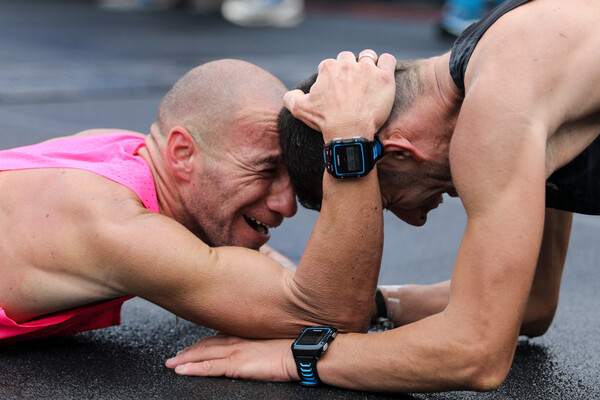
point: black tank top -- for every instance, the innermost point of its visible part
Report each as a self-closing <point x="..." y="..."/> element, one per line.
<point x="574" y="187"/>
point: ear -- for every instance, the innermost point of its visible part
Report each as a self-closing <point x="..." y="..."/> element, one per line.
<point x="181" y="152"/>
<point x="401" y="149"/>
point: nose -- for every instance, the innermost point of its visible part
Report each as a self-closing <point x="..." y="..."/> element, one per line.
<point x="282" y="198"/>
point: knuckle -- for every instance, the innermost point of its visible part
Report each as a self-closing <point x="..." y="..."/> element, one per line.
<point x="206" y="365"/>
<point x="327" y="64"/>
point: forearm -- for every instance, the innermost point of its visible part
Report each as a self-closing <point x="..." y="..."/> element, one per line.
<point x="429" y="355"/>
<point x="543" y="298"/>
<point x="336" y="278"/>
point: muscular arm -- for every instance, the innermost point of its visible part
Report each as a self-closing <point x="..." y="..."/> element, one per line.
<point x="244" y="292"/>
<point x="411" y="303"/>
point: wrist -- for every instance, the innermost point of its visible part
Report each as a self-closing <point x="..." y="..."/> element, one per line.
<point x="367" y="130"/>
<point x="290" y="364"/>
<point x="307" y="349"/>
<point x="352" y="157"/>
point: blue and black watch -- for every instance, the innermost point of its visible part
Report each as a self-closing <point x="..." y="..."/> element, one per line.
<point x="352" y="158"/>
<point x="308" y="348"/>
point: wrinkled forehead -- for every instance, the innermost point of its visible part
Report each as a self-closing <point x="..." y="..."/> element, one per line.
<point x="253" y="131"/>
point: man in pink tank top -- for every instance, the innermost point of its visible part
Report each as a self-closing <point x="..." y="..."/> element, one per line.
<point x="177" y="217"/>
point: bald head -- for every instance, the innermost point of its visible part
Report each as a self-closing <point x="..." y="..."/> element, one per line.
<point x="206" y="98"/>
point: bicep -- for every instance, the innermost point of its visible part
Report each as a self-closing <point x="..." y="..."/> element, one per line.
<point x="223" y="288"/>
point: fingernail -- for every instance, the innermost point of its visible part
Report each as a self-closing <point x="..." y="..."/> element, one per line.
<point x="180" y="369"/>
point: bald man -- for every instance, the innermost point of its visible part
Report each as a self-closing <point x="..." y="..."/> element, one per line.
<point x="176" y="217"/>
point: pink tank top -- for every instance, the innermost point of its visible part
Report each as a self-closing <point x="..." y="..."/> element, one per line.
<point x="113" y="156"/>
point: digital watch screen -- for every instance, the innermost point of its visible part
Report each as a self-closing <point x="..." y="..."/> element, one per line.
<point x="312" y="337"/>
<point x="351" y="158"/>
<point x="308" y="348"/>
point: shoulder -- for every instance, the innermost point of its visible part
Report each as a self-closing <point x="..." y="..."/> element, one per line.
<point x="90" y="132"/>
<point x="534" y="47"/>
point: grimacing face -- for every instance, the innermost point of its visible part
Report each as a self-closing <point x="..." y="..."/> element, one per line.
<point x="244" y="188"/>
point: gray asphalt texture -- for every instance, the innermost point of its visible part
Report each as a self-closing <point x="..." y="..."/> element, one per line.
<point x="66" y="66"/>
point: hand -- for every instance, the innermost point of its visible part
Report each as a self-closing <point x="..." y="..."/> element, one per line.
<point x="349" y="97"/>
<point x="265" y="360"/>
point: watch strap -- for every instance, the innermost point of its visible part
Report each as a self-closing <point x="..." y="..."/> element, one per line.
<point x="307" y="371"/>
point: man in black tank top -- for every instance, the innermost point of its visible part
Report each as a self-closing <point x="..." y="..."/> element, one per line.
<point x="509" y="122"/>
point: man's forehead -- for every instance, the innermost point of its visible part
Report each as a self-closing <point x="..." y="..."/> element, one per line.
<point x="259" y="148"/>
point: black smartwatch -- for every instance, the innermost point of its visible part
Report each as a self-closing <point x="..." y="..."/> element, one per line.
<point x="352" y="158"/>
<point x="308" y="348"/>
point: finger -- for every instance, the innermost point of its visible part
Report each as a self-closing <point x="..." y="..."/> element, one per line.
<point x="202" y="350"/>
<point x="203" y="368"/>
<point x="346" y="56"/>
<point x="387" y="62"/>
<point x="296" y="101"/>
<point x="289" y="99"/>
<point x="327" y="60"/>
<point x="367" y="55"/>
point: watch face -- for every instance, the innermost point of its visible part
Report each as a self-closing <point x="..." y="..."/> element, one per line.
<point x="349" y="158"/>
<point x="312" y="336"/>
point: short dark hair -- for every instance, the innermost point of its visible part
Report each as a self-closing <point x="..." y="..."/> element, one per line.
<point x="302" y="152"/>
<point x="302" y="146"/>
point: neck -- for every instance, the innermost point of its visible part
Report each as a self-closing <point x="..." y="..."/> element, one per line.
<point x="164" y="185"/>
<point x="439" y="111"/>
<point x="447" y="92"/>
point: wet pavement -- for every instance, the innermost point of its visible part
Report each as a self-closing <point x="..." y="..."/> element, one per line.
<point x="66" y="66"/>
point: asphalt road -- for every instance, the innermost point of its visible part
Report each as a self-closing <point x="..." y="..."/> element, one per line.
<point x="66" y="66"/>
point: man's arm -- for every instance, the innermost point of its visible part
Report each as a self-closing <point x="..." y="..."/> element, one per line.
<point x="543" y="299"/>
<point x="410" y="303"/>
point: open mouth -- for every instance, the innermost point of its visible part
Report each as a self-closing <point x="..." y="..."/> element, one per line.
<point x="257" y="225"/>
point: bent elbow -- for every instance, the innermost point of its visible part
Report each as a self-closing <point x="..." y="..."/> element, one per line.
<point x="308" y="308"/>
<point x="353" y="322"/>
<point x="538" y="322"/>
<point x="487" y="380"/>
<point x="536" y="328"/>
<point x="487" y="369"/>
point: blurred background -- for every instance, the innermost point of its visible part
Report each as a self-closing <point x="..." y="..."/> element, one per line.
<point x="70" y="65"/>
